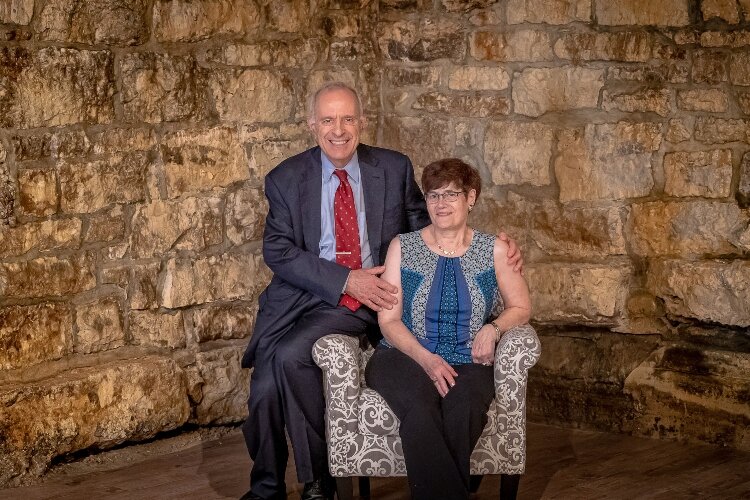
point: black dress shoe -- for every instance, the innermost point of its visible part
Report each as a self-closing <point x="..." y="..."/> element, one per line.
<point x="318" y="490"/>
<point x="250" y="496"/>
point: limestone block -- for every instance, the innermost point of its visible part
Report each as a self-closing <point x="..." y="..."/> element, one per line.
<point x="548" y="11"/>
<point x="224" y="321"/>
<point x="743" y="100"/>
<point x="723" y="9"/>
<point x="712" y="130"/>
<point x="739" y="68"/>
<point x="160" y="88"/>
<point x="709" y="66"/>
<point x="16" y="11"/>
<point x="287" y="17"/>
<point x="657" y="101"/>
<point x="698" y="173"/>
<point x="657" y="72"/>
<point x="190" y="224"/>
<point x="34" y="334"/>
<point x="87" y="186"/>
<point x="94" y="21"/>
<point x="521" y="45"/>
<point x="743" y="190"/>
<point x="607" y="161"/>
<point x="341" y="25"/>
<point x="577" y="293"/>
<point x="7" y="189"/>
<point x="251" y="95"/>
<point x="464" y="104"/>
<point x="201" y="160"/>
<point x="465" y="5"/>
<point x="353" y="49"/>
<point x="55" y="86"/>
<point x="267" y="153"/>
<point x="84" y="408"/>
<point x="628" y="46"/>
<point x="693" y="393"/>
<point x="51" y="145"/>
<point x="193" y="20"/>
<point x="510" y="214"/>
<point x="46" y="276"/>
<point x="716" y="290"/>
<point x="116" y="275"/>
<point x="99" y="326"/>
<point x="539" y="90"/>
<point x="144" y="293"/>
<point x="580" y="232"/>
<point x="685" y="228"/>
<point x="425" y="77"/>
<point x="42" y="236"/>
<point x="296" y="53"/>
<point x="222" y="387"/>
<point x="209" y="279"/>
<point x="679" y="130"/>
<point x="666" y="13"/>
<point x="115" y="140"/>
<point x="519" y="153"/>
<point x="245" y="214"/>
<point x="711" y="100"/>
<point x="735" y="38"/>
<point x="478" y="78"/>
<point x="156" y="329"/>
<point x="426" y="40"/>
<point x="425" y="138"/>
<point x="106" y="225"/>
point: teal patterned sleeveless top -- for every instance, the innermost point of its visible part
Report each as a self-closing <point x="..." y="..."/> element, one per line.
<point x="446" y="300"/>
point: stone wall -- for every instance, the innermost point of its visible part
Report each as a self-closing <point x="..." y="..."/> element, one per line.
<point x="612" y="137"/>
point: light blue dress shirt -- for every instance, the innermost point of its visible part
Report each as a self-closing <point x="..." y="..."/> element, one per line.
<point x="327" y="222"/>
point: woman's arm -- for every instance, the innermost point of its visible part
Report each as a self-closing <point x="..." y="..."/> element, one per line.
<point x="515" y="294"/>
<point x="396" y="333"/>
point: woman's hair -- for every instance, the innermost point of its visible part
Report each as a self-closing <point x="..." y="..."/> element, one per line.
<point x="440" y="173"/>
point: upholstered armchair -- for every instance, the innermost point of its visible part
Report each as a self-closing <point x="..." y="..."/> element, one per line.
<point x="362" y="431"/>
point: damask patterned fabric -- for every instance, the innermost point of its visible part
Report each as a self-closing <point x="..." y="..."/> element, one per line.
<point x="362" y="431"/>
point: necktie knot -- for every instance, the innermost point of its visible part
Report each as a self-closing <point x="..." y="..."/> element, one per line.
<point x="341" y="174"/>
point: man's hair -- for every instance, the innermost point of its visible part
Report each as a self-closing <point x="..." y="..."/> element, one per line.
<point x="441" y="173"/>
<point x="312" y="99"/>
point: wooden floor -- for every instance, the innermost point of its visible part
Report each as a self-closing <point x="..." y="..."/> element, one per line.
<point x="562" y="463"/>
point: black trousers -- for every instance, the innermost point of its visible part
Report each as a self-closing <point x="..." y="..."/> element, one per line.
<point x="438" y="434"/>
<point x="286" y="390"/>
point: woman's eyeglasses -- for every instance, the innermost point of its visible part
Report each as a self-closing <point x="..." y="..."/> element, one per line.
<point x="449" y="196"/>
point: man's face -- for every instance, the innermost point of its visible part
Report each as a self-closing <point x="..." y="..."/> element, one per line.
<point x="336" y="125"/>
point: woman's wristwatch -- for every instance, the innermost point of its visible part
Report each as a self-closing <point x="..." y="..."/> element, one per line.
<point x="498" y="331"/>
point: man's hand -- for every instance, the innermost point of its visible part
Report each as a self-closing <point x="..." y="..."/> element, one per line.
<point x="365" y="286"/>
<point x="515" y="258"/>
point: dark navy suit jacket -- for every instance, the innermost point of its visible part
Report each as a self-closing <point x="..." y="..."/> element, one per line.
<point x="291" y="241"/>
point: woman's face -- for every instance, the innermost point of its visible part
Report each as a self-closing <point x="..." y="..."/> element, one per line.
<point x="449" y="206"/>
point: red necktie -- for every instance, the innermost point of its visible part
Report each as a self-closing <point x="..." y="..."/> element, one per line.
<point x="348" y="251"/>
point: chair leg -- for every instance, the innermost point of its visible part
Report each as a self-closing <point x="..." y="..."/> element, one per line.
<point x="344" y="488"/>
<point x="364" y="487"/>
<point x="509" y="486"/>
<point x="474" y="481"/>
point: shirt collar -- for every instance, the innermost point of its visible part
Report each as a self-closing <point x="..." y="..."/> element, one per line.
<point x="352" y="168"/>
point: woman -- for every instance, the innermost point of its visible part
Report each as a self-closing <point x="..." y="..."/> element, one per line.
<point x="435" y="365"/>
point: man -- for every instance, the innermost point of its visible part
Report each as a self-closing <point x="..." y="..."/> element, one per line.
<point x="333" y="209"/>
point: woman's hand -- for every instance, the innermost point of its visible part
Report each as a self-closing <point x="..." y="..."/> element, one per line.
<point x="442" y="374"/>
<point x="483" y="347"/>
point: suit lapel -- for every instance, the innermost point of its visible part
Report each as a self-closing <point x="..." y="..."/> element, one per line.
<point x="310" y="186"/>
<point x="373" y="185"/>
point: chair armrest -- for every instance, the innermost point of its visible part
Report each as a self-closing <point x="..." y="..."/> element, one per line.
<point x="517" y="351"/>
<point x="338" y="358"/>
